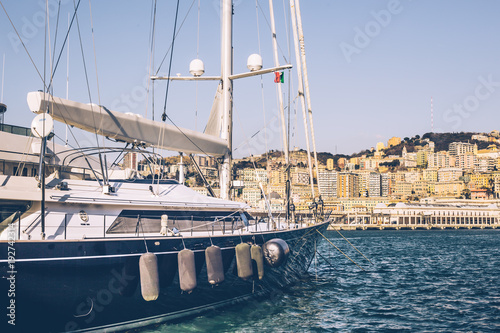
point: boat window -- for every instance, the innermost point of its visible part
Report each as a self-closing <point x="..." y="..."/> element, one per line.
<point x="139" y="221"/>
<point x="10" y="210"/>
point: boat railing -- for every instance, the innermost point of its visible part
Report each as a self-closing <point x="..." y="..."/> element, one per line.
<point x="95" y="226"/>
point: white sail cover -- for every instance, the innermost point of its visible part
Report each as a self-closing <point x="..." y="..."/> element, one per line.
<point x="214" y="124"/>
<point x="126" y="127"/>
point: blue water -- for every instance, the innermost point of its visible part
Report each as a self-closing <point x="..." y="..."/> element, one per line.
<point x="421" y="281"/>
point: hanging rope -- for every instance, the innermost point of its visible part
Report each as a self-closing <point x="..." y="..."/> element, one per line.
<point x="164" y="115"/>
<point x="339" y="250"/>
<point x="197" y="56"/>
<point x="22" y="43"/>
<point x="354" y="247"/>
<point x="65" y="40"/>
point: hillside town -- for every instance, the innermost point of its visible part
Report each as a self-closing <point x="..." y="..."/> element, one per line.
<point x="419" y="172"/>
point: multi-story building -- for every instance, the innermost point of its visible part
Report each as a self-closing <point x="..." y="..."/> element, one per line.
<point x="330" y="165"/>
<point x="375" y="184"/>
<point x="363" y="182"/>
<point x="131" y="161"/>
<point x="386" y="189"/>
<point x="278" y="188"/>
<point x="460" y="148"/>
<point x="402" y="190"/>
<point x="480" y="180"/>
<point x="422" y="158"/>
<point x="347" y="185"/>
<point x="440" y="159"/>
<point x="254" y="175"/>
<point x="327" y="183"/>
<point x="449" y="174"/>
<point x="412" y="176"/>
<point x="394" y="141"/>
<point x="466" y="161"/>
<point x="484" y="164"/>
<point x="341" y="162"/>
<point x="251" y="196"/>
<point x="420" y="188"/>
<point x="277" y="176"/>
<point x="451" y="188"/>
<point x="299" y="176"/>
<point x="430" y="175"/>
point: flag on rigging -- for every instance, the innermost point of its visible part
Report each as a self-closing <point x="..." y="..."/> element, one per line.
<point x="279" y="77"/>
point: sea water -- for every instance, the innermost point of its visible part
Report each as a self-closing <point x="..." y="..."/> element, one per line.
<point x="420" y="281"/>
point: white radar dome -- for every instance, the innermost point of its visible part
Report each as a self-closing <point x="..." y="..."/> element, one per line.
<point x="42" y="125"/>
<point x="196" y="67"/>
<point x="254" y="62"/>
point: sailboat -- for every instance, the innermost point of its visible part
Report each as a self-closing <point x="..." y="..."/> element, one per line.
<point x="95" y="253"/>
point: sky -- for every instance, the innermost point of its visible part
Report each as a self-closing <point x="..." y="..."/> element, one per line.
<point x="373" y="66"/>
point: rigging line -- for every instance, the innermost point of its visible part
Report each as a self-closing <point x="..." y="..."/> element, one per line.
<point x="86" y="78"/>
<point x="187" y="137"/>
<point x="176" y="33"/>
<point x="197" y="56"/>
<point x="198" y="32"/>
<point x="151" y="56"/>
<point x="66" y="37"/>
<point x="269" y="26"/>
<point x="355" y="247"/>
<point x="95" y="64"/>
<point x="339" y="249"/>
<point x="45" y="52"/>
<point x="24" y="45"/>
<point x="326" y="260"/>
<point x="164" y="115"/>
<point x="257" y="20"/>
<point x="55" y="42"/>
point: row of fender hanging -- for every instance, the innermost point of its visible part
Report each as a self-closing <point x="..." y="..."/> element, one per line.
<point x="274" y="253"/>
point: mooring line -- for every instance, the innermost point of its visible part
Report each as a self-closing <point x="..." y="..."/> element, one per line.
<point x="354" y="247"/>
<point x="327" y="261"/>
<point x="339" y="250"/>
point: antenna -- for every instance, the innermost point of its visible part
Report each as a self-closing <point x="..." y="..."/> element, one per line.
<point x="432" y="117"/>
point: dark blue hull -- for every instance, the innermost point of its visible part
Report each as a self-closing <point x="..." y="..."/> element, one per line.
<point x="94" y="284"/>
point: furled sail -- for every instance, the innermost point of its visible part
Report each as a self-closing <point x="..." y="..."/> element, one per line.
<point x="126" y="127"/>
<point x="214" y="124"/>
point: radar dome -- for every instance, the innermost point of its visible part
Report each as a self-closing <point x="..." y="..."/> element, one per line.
<point x="254" y="62"/>
<point x="196" y="67"/>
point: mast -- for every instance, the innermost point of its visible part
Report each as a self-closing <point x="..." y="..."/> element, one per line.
<point x="282" y="111"/>
<point x="280" y="92"/>
<point x="301" y="91"/>
<point x="227" y="95"/>
<point x="306" y="84"/>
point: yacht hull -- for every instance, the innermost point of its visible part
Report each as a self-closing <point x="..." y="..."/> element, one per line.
<point x="91" y="285"/>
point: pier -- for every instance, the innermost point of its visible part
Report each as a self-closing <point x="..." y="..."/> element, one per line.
<point x="386" y="226"/>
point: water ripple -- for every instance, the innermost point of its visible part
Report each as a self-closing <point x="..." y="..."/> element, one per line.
<point x="420" y="281"/>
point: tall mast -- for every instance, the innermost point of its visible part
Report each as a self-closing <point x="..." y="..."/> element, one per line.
<point x="306" y="83"/>
<point x="282" y="112"/>
<point x="301" y="91"/>
<point x="280" y="92"/>
<point x="227" y="94"/>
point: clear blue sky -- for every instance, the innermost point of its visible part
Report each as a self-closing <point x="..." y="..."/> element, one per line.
<point x="373" y="66"/>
